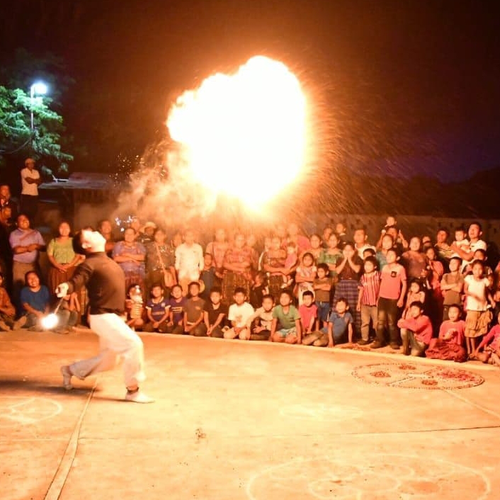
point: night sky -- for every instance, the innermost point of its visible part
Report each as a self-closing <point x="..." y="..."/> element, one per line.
<point x="404" y="87"/>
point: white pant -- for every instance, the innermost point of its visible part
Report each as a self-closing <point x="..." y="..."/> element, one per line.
<point x="115" y="339"/>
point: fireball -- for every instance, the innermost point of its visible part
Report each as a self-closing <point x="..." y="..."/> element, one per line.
<point x="244" y="135"/>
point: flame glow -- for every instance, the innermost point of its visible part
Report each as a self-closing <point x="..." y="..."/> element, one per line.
<point x="244" y="135"/>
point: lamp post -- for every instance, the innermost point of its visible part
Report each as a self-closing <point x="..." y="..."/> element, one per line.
<point x="38" y="88"/>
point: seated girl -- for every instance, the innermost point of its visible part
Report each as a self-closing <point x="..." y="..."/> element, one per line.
<point x="450" y="344"/>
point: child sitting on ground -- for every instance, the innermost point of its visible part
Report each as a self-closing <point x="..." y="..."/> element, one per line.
<point x="286" y="321"/>
<point x="308" y="312"/>
<point x="193" y="312"/>
<point x="322" y="286"/>
<point x="416" y="330"/>
<point x="134" y="307"/>
<point x="449" y="345"/>
<point x="261" y="321"/>
<point x="215" y="314"/>
<point x="7" y="310"/>
<point x="176" y="302"/>
<point x="339" y="323"/>
<point x="239" y="315"/>
<point x="491" y="347"/>
<point x="157" y="310"/>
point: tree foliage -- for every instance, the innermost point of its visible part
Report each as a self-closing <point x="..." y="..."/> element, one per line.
<point x="16" y="135"/>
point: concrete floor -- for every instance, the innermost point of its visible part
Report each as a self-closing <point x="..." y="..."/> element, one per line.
<point x="236" y="420"/>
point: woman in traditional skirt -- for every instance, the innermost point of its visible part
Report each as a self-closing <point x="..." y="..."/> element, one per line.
<point x="160" y="260"/>
<point x="130" y="255"/>
<point x="477" y="296"/>
<point x="237" y="265"/>
<point x="217" y="249"/>
<point x="273" y="263"/>
<point x="349" y="272"/>
<point x="63" y="260"/>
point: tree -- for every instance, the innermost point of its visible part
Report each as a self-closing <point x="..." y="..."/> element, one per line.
<point x="16" y="136"/>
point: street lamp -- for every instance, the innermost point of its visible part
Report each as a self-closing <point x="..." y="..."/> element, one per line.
<point x="38" y="88"/>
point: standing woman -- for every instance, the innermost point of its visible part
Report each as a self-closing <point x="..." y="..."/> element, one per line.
<point x="130" y="255"/>
<point x="237" y="266"/>
<point x="349" y="273"/>
<point x="63" y="260"/>
<point x="160" y="262"/>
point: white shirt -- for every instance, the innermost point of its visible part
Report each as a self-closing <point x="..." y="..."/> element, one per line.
<point x="478" y="288"/>
<point x="476" y="245"/>
<point x="189" y="261"/>
<point x="27" y="188"/>
<point x="240" y="314"/>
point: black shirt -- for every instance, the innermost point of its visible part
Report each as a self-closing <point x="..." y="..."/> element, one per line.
<point x="105" y="282"/>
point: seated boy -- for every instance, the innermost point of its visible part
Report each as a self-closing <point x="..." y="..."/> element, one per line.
<point x="157" y="310"/>
<point x="7" y="310"/>
<point x="308" y="312"/>
<point x="286" y="325"/>
<point x="339" y="323"/>
<point x="261" y="321"/>
<point x="239" y="314"/>
<point x="416" y="330"/>
<point x="176" y="302"/>
<point x="193" y="312"/>
<point x="215" y="314"/>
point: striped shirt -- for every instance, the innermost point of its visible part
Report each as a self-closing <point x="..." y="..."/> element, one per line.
<point x="370" y="284"/>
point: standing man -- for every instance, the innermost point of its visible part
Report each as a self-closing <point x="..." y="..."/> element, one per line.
<point x="26" y="243"/>
<point x="30" y="180"/>
<point x="189" y="261"/>
<point x="105" y="282"/>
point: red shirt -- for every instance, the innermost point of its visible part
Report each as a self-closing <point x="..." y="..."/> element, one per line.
<point x="392" y="278"/>
<point x="421" y="327"/>
<point x="307" y="314"/>
<point x="370" y="284"/>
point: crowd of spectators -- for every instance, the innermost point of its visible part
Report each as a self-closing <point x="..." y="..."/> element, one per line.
<point x="418" y="295"/>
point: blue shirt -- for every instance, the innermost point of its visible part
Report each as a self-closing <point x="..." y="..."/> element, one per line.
<point x="37" y="300"/>
<point x="157" y="308"/>
<point x="340" y="323"/>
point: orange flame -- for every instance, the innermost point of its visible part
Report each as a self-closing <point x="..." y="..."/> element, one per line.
<point x="244" y="135"/>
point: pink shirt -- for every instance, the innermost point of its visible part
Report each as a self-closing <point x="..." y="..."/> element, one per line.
<point x="307" y="314"/>
<point x="392" y="278"/>
<point x="455" y="328"/>
<point x="493" y="336"/>
<point x="421" y="327"/>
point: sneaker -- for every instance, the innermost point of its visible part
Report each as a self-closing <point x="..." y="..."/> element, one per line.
<point x="363" y="342"/>
<point x="66" y="374"/>
<point x="138" y="397"/>
<point x="4" y="326"/>
<point x="377" y="345"/>
<point x="19" y="323"/>
<point x="395" y="346"/>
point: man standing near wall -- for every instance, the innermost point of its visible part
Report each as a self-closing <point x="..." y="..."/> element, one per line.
<point x="30" y="180"/>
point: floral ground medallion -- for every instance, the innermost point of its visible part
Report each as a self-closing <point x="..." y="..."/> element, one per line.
<point x="413" y="376"/>
<point x="367" y="477"/>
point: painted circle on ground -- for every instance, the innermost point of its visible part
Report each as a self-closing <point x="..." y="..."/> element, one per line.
<point x="320" y="412"/>
<point x="26" y="410"/>
<point x="372" y="476"/>
<point x="413" y="376"/>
